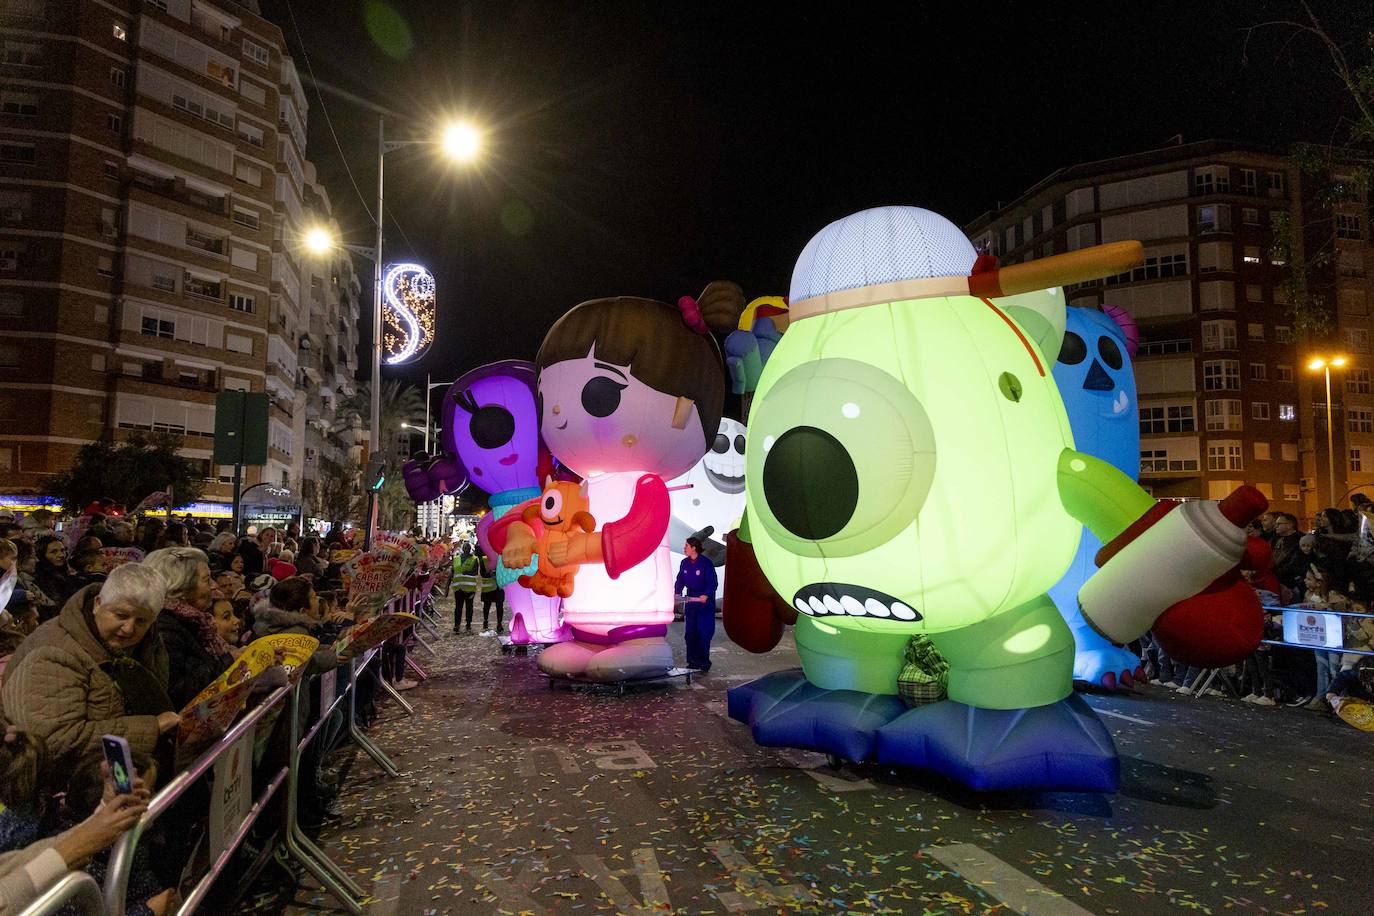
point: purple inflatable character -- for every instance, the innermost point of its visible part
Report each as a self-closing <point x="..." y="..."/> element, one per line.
<point x="490" y="422"/>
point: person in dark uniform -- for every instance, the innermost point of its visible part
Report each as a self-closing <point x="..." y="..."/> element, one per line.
<point x="697" y="578"/>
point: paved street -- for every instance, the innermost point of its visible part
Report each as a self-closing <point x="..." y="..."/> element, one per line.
<point x="517" y="798"/>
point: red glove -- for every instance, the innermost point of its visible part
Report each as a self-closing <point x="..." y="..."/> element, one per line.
<point x="754" y="614"/>
<point x="628" y="541"/>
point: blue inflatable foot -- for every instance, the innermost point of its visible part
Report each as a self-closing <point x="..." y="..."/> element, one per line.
<point x="784" y="709"/>
<point x="1062" y="746"/>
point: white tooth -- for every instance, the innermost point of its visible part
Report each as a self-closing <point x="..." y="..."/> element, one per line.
<point x="902" y="612"/>
<point x="803" y="606"/>
<point x="832" y="605"/>
<point x="875" y="608"/>
<point x="817" y="606"/>
<point x="852" y="607"/>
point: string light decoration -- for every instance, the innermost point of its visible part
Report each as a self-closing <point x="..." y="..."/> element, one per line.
<point x="408" y="318"/>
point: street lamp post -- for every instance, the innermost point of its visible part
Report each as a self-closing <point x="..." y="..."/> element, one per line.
<point x="460" y="142"/>
<point x="1325" y="365"/>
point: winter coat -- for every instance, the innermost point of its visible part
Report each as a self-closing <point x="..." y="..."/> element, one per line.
<point x="28" y="865"/>
<point x="68" y="688"/>
<point x="191" y="666"/>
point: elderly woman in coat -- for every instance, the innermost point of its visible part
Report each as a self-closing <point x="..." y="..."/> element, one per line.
<point x="96" y="668"/>
<point x="196" y="654"/>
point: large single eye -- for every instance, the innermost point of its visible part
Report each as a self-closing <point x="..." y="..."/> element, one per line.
<point x="721" y="445"/>
<point x="1074" y="349"/>
<point x="1109" y="351"/>
<point x="491" y="426"/>
<point x="841" y="458"/>
<point x="601" y="396"/>
<point x="551" y="506"/>
<point x="739" y="444"/>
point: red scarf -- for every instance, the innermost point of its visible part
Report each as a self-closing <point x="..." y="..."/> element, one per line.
<point x="203" y="624"/>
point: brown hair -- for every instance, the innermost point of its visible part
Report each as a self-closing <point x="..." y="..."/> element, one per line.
<point x="291" y="594"/>
<point x="655" y="341"/>
<point x="7" y="549"/>
<point x="23" y="758"/>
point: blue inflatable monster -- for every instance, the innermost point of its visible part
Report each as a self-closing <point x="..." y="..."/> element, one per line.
<point x="1097" y="382"/>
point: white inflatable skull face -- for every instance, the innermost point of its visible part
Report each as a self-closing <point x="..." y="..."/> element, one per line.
<point x="724" y="462"/>
<point x="715" y="496"/>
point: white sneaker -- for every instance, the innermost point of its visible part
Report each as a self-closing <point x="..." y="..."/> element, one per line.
<point x="1156" y="681"/>
<point x="1249" y="698"/>
<point x="1186" y="691"/>
<point x="406" y="683"/>
<point x="1212" y="692"/>
<point x="1263" y="701"/>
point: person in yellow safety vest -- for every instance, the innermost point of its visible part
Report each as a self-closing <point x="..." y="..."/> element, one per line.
<point x="466" y="581"/>
<point x="492" y="596"/>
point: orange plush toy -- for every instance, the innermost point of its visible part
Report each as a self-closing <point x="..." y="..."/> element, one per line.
<point x="561" y="525"/>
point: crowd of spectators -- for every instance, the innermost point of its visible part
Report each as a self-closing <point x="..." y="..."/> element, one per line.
<point x="86" y="653"/>
<point x="1327" y="568"/>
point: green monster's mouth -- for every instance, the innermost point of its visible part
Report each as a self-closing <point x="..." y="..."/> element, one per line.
<point x="823" y="599"/>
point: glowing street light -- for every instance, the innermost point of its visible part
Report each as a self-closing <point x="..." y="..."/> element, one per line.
<point x="319" y="240"/>
<point x="462" y="141"/>
<point x="1324" y="364"/>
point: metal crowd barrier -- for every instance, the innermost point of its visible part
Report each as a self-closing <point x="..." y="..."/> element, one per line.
<point x="1294" y="609"/>
<point x="310" y="856"/>
<point x="76" y="889"/>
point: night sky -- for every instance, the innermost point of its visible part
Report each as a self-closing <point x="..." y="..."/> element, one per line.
<point x="648" y="148"/>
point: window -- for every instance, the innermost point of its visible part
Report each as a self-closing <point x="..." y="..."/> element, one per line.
<point x="9" y="356"/>
<point x="248" y="174"/>
<point x="1254" y="292"/>
<point x="1222" y="415"/>
<point x="1356" y="462"/>
<point x="1348" y="226"/>
<point x="1262" y="452"/>
<point x="164" y="281"/>
<point x="250" y="134"/>
<point x="1154" y="268"/>
<point x="1165" y="347"/>
<point x="104" y="265"/>
<point x="1224" y="456"/>
<point x="18" y="152"/>
<point x="1283" y="334"/>
<point x="220" y="73"/>
<point x="9" y="257"/>
<point x="246" y="217"/>
<point x="202" y="287"/>
<point x="1359" y="420"/>
<point x="1218" y="335"/>
<point x="23" y="54"/>
<point x="1357" y="381"/>
<point x="112" y="171"/>
<point x="238" y="343"/>
<point x="1221" y="375"/>
<point x="1291" y="493"/>
<point x="1275" y="182"/>
<point x="1167" y="418"/>
<point x="114" y="123"/>
<point x="241" y="303"/>
<point x="255" y="52"/>
<point x="1249" y="182"/>
<point x="19" y="104"/>
<point x="157" y="4"/>
<point x="117" y="77"/>
<point x="1249" y="216"/>
<point x="204" y="241"/>
<point x="253" y="92"/>
<point x="154" y="326"/>
<point x="119" y="32"/>
<point x="1158" y="461"/>
<point x="1213" y="218"/>
<point x="1357" y="339"/>
<point x="1287" y="412"/>
<point x="1259" y="410"/>
<point x="1258" y="372"/>
<point x="1255" y="330"/>
<point x="1251" y="255"/>
<point x="1210" y="180"/>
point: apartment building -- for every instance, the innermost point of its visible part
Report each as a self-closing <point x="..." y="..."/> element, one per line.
<point x="152" y="188"/>
<point x="1225" y="393"/>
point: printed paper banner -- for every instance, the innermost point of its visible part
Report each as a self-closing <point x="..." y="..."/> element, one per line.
<point x="260" y="655"/>
<point x="112" y="557"/>
<point x="205" y="722"/>
<point x="361" y="638"/>
<point x="372" y="579"/>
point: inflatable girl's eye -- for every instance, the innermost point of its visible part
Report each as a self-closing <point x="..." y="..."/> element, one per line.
<point x="551" y="508"/>
<point x="601" y="396"/>
<point x="491" y="426"/>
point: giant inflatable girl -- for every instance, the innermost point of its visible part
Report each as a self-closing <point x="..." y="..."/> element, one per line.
<point x="629" y="388"/>
<point x="490" y="424"/>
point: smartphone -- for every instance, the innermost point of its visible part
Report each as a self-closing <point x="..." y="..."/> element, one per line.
<point x="121" y="762"/>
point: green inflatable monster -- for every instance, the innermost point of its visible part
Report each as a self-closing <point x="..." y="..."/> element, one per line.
<point x="910" y="468"/>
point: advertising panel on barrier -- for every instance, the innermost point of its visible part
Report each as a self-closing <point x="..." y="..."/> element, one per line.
<point x="231" y="793"/>
<point x="1308" y="627"/>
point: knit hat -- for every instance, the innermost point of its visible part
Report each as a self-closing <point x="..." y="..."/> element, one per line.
<point x="279" y="569"/>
